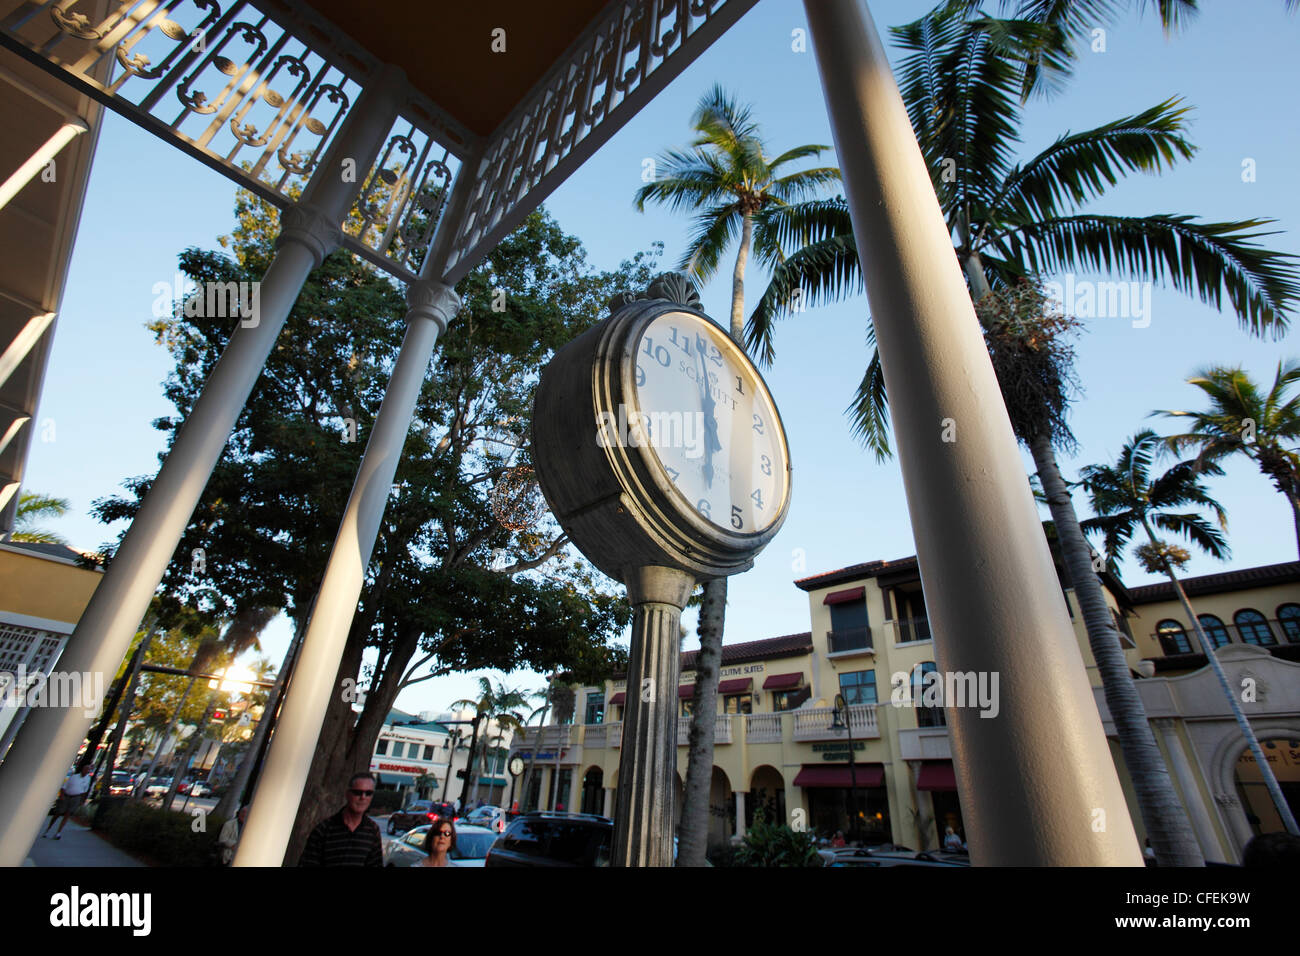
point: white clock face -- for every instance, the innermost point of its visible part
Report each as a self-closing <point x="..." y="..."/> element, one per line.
<point x="710" y="422"/>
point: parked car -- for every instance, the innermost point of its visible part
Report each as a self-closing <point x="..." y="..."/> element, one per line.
<point x="121" y="785"/>
<point x="158" y="786"/>
<point x="551" y="838"/>
<point x="200" y="788"/>
<point x="418" y="813"/>
<point x="494" y="818"/>
<point x="472" y="845"/>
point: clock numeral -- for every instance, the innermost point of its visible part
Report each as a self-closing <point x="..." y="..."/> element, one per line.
<point x="740" y="387"/>
<point x="758" y="425"/>
<point x="660" y="354"/>
<point x="673" y="472"/>
<point x="702" y="506"/>
<point x="715" y="356"/>
<point x="640" y="376"/>
<point x="758" y="497"/>
<point x="684" y="343"/>
<point x="765" y="465"/>
<point x="737" y="521"/>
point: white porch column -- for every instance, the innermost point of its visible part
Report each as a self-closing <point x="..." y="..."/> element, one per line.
<point x="1191" y="793"/>
<point x="49" y="739"/>
<point x="740" y="814"/>
<point x="288" y="762"/>
<point x="1037" y="783"/>
<point x="609" y="802"/>
<point x="28" y="170"/>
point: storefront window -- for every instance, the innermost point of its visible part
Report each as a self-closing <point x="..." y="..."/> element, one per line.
<point x="738" y="704"/>
<point x="858" y="687"/>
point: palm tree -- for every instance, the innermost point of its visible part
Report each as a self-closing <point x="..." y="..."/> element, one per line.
<point x="728" y="177"/>
<point x="34" y="507"/>
<point x="963" y="81"/>
<point x="1126" y="497"/>
<point x="1243" y="421"/>
<point x="499" y="703"/>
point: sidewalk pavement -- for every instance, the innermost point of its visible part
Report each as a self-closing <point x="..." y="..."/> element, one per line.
<point x="79" y="847"/>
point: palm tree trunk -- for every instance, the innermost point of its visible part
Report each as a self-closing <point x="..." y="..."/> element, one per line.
<point x="1211" y="655"/>
<point x="1295" y="516"/>
<point x="738" y="283"/>
<point x="693" y="833"/>
<point x="1163" y="816"/>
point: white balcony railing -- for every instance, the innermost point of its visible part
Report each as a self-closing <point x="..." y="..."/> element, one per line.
<point x="721" y="730"/>
<point x="594" y="735"/>
<point x="546" y="738"/>
<point x="763" y="728"/>
<point x="814" y="723"/>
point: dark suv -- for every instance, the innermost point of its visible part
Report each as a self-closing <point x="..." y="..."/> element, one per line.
<point x="418" y="813"/>
<point x="548" y="838"/>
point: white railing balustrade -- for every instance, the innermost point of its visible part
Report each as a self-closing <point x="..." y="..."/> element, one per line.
<point x="763" y="728"/>
<point x="814" y="723"/>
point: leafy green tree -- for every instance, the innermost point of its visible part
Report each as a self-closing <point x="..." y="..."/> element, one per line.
<point x="469" y="572"/>
<point x="773" y="845"/>
<point x="1126" y="496"/>
<point x="963" y="77"/>
<point x="1245" y="420"/>
<point x="728" y="179"/>
<point x="34" y="507"/>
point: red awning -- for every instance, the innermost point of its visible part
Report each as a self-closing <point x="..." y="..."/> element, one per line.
<point x="685" y="690"/>
<point x="936" y="775"/>
<point x="844" y="597"/>
<point x="618" y="698"/>
<point x="838" y="775"/>
<point x="740" y="685"/>
<point x="783" y="681"/>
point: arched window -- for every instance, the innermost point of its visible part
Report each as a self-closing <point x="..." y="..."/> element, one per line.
<point x="1214" y="630"/>
<point x="927" y="715"/>
<point x="1173" y="639"/>
<point x="1288" y="615"/>
<point x="1253" y="627"/>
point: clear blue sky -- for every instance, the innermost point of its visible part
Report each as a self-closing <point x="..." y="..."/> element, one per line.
<point x="1235" y="64"/>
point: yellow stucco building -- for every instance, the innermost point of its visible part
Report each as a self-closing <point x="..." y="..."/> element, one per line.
<point x="778" y="745"/>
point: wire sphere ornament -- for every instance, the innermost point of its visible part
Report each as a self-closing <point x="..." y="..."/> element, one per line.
<point x="516" y="499"/>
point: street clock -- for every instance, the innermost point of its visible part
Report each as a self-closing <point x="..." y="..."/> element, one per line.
<point x="657" y="442"/>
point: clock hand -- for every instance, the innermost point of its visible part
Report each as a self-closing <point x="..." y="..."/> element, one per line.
<point x="711" y="442"/>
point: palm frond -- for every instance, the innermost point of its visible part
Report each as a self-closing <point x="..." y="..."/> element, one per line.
<point x="1207" y="259"/>
<point x="823" y="271"/>
<point x="869" y="411"/>
<point x="715" y="228"/>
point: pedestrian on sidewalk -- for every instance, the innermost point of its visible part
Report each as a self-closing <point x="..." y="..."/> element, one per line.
<point x="229" y="838"/>
<point x="349" y="838"/>
<point x="71" y="795"/>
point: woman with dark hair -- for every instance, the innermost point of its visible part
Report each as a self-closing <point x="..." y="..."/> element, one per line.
<point x="439" y="843"/>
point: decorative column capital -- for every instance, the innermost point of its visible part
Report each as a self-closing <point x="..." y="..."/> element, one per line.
<point x="311" y="228"/>
<point x="430" y="299"/>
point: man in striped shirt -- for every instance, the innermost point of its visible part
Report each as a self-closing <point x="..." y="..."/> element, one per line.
<point x="349" y="838"/>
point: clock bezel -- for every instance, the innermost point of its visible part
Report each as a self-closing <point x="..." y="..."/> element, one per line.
<point x="649" y="453"/>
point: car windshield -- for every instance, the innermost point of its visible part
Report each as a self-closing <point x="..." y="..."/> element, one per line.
<point x="472" y="846"/>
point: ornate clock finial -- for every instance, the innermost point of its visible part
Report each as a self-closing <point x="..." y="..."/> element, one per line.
<point x="674" y="287"/>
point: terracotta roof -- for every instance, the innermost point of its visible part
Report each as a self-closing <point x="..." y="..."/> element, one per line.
<point x="1216" y="583"/>
<point x="855" y="573"/>
<point x="788" y="645"/>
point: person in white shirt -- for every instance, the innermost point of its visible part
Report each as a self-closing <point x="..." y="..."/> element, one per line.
<point x="71" y="795"/>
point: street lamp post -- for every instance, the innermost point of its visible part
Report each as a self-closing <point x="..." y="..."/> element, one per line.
<point x="846" y="725"/>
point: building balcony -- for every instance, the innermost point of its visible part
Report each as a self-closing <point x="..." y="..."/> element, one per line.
<point x="721" y="730"/>
<point x="544" y="738"/>
<point x="814" y="723"/>
<point x="909" y="630"/>
<point x="849" y="641"/>
<point x="763" y="728"/>
<point x="924" y="743"/>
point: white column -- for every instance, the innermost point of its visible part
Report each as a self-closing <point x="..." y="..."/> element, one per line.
<point x="1037" y="783"/>
<point x="740" y="814"/>
<point x="608" y="809"/>
<point x="288" y="762"/>
<point x="50" y="737"/>
<point x="28" y="170"/>
<point x="1191" y="793"/>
